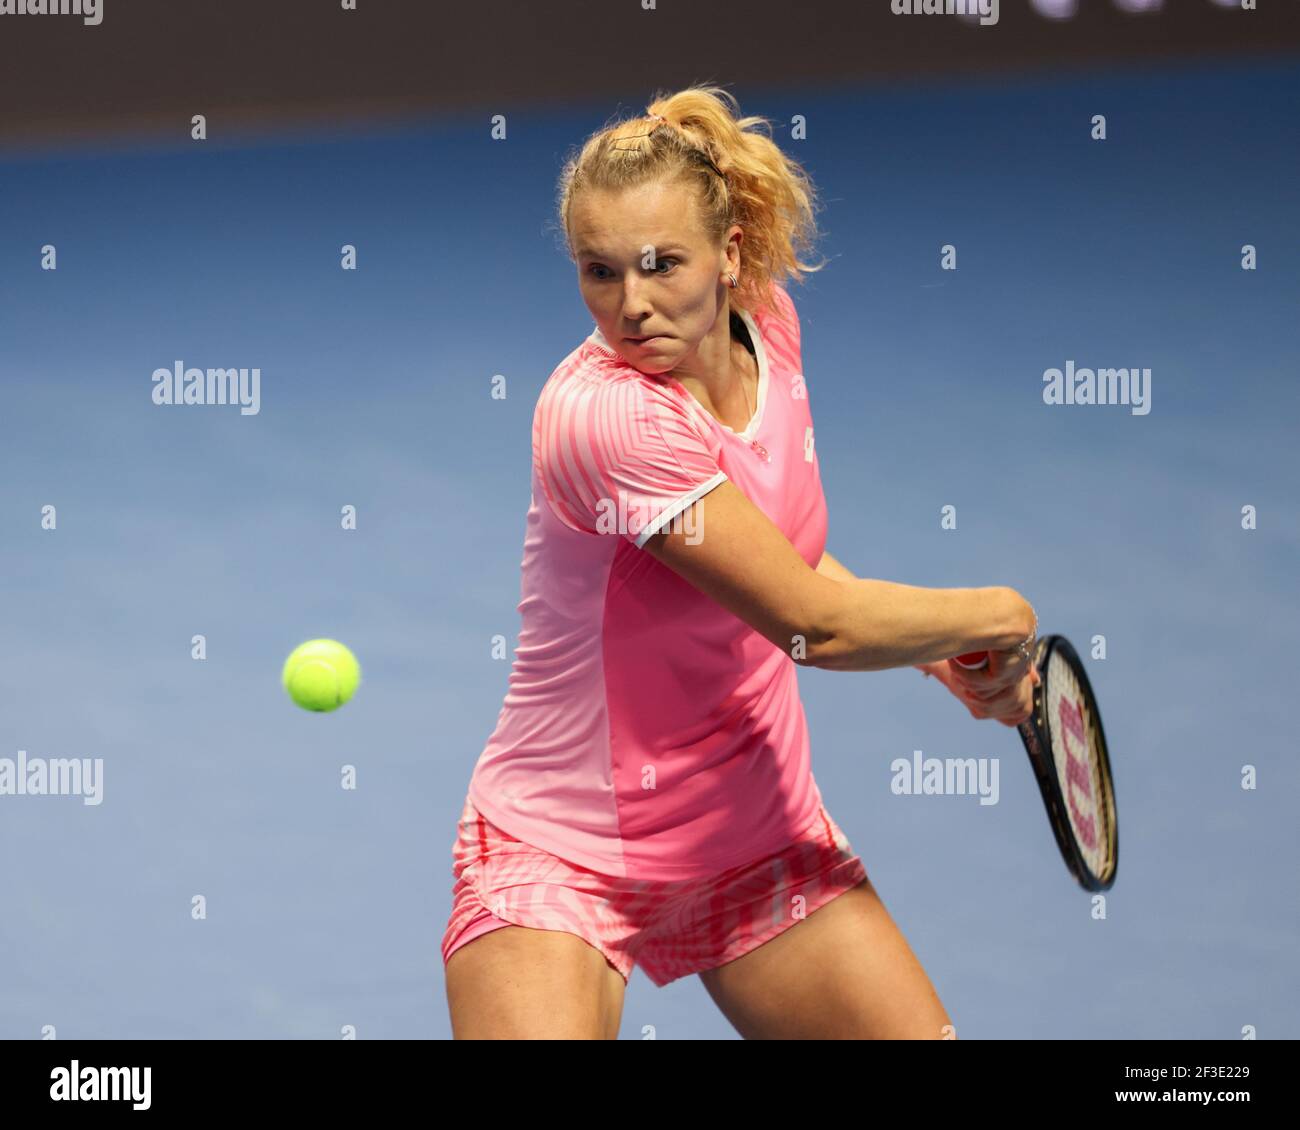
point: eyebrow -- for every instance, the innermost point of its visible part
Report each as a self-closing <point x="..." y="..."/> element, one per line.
<point x="587" y="252"/>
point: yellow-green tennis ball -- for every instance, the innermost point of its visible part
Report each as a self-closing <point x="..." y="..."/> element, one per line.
<point x="321" y="675"/>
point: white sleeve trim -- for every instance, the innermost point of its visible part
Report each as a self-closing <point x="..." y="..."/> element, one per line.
<point x="671" y="512"/>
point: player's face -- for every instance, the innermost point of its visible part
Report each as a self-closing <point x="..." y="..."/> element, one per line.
<point x="647" y="269"/>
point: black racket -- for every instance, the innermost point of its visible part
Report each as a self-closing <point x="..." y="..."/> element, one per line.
<point x="1067" y="748"/>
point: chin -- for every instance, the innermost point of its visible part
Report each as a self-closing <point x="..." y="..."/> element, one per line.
<point x="649" y="369"/>
<point x="653" y="363"/>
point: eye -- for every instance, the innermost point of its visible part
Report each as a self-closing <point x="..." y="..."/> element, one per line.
<point x="601" y="267"/>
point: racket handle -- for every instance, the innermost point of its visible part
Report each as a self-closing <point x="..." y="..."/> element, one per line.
<point x="972" y="660"/>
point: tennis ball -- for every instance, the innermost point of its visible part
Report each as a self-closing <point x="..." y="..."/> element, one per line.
<point x="321" y="675"/>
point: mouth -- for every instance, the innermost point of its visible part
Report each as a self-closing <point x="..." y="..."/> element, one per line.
<point x="643" y="340"/>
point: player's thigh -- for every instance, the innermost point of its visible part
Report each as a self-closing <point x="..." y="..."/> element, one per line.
<point x="517" y="983"/>
<point x="844" y="972"/>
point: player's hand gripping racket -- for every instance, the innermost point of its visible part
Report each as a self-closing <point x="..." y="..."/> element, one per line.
<point x="1067" y="748"/>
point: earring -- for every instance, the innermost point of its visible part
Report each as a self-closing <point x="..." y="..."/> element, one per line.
<point x="732" y="280"/>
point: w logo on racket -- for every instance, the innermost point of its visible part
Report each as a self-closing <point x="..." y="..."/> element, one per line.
<point x="1078" y="780"/>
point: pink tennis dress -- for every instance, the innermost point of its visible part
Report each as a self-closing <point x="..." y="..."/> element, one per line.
<point x="651" y="758"/>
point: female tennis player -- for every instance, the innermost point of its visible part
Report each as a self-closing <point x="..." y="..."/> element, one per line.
<point x="647" y="797"/>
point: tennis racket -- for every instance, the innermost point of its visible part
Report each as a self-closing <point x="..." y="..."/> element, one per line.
<point x="1067" y="748"/>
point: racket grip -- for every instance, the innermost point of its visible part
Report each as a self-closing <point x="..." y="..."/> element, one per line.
<point x="972" y="660"/>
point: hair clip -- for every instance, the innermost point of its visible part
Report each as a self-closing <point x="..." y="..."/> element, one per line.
<point x="662" y="121"/>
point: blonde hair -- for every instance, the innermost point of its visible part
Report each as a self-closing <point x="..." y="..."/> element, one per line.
<point x="767" y="193"/>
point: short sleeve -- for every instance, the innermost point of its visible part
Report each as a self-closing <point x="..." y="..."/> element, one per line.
<point x="620" y="455"/>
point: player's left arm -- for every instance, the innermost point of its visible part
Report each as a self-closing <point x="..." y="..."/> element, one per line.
<point x="828" y="566"/>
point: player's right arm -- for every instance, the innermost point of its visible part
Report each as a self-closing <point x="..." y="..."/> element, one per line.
<point x="741" y="560"/>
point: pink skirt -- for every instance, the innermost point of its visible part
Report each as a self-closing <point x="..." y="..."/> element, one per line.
<point x="669" y="929"/>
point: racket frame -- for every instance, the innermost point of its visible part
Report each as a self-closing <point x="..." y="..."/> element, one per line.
<point x="1036" y="735"/>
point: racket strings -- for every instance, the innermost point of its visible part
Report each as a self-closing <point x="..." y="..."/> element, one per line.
<point x="1077" y="754"/>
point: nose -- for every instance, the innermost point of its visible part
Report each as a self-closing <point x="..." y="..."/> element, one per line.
<point x="636" y="305"/>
